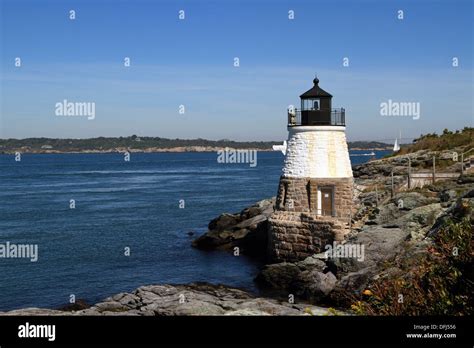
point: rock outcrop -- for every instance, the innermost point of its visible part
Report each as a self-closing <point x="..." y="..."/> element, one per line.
<point x="246" y="230"/>
<point x="310" y="279"/>
<point x="399" y="164"/>
<point x="190" y="299"/>
<point x="387" y="228"/>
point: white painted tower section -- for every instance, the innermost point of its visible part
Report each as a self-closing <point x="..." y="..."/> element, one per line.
<point x="317" y="152"/>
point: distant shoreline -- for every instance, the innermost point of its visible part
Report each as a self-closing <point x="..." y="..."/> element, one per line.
<point x="123" y="150"/>
<point x="153" y="150"/>
<point x="139" y="144"/>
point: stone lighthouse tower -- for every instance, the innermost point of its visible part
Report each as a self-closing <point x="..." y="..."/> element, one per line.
<point x="314" y="201"/>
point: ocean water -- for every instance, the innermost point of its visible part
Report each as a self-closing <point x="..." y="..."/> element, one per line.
<point x="122" y="205"/>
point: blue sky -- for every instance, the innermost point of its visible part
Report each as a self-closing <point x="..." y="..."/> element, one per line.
<point x="190" y="62"/>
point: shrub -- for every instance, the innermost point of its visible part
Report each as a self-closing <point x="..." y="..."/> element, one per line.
<point x="440" y="284"/>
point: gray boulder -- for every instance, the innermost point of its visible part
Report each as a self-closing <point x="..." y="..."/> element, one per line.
<point x="419" y="220"/>
<point x="410" y="200"/>
<point x="314" y="285"/>
<point x="224" y="221"/>
<point x="379" y="245"/>
<point x="309" y="279"/>
<point x="246" y="230"/>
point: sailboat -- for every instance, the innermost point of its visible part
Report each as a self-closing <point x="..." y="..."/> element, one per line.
<point x="396" y="146"/>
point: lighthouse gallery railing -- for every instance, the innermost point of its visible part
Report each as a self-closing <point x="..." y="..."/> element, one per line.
<point x="321" y="117"/>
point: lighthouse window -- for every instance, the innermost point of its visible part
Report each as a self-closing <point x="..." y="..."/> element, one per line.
<point x="316" y="105"/>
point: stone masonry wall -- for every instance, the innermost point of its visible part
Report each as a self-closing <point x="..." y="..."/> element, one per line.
<point x="301" y="195"/>
<point x="296" y="229"/>
<point x="294" y="236"/>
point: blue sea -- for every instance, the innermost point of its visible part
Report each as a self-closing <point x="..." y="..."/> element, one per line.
<point x="121" y="205"/>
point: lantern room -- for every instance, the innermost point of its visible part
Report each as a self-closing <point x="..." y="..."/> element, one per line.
<point x="316" y="109"/>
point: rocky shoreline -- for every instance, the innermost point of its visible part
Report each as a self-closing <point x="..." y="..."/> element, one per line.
<point x="391" y="228"/>
<point x="398" y="233"/>
<point x="189" y="299"/>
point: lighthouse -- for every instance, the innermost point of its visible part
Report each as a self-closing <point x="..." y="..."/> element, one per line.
<point x="314" y="201"/>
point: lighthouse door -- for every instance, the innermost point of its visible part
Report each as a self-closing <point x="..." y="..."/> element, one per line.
<point x="327" y="194"/>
